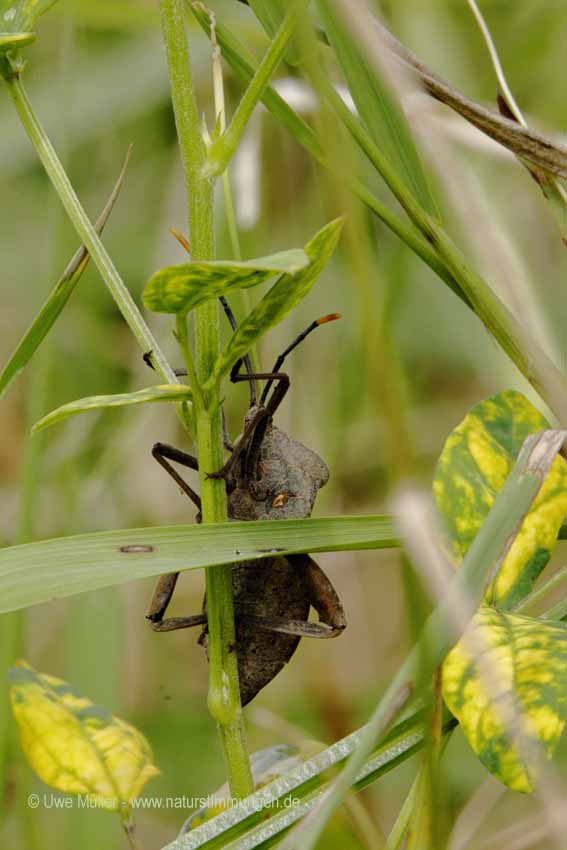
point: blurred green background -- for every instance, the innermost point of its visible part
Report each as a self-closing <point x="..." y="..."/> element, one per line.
<point x="97" y="77"/>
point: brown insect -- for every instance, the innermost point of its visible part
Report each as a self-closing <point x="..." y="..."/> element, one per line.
<point x="268" y="475"/>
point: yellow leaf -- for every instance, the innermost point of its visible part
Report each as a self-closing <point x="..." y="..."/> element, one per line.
<point x="530" y="656"/>
<point x="76" y="746"/>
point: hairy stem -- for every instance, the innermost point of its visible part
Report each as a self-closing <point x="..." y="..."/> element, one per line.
<point x="224" y="693"/>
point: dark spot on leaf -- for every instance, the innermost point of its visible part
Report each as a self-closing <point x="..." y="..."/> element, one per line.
<point x="136" y="549"/>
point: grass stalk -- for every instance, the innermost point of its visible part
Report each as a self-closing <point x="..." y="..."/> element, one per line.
<point x="85" y="228"/>
<point x="224" y="693"/>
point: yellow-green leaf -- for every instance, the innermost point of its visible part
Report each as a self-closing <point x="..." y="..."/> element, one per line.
<point x="474" y="464"/>
<point x="13" y="40"/>
<point x="531" y="659"/>
<point x="149" y="395"/>
<point x="76" y="746"/>
<point x="284" y="295"/>
<point x="178" y="289"/>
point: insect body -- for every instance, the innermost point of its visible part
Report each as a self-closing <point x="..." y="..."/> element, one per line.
<point x="269" y="475"/>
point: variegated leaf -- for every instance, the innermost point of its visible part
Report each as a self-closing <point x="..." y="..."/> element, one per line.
<point x="76" y="746"/>
<point x="284" y="295"/>
<point x="179" y="289"/>
<point x="530" y="660"/>
<point x="474" y="464"/>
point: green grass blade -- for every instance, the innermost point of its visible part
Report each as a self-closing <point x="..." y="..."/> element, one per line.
<point x="58" y="298"/>
<point x="246" y="826"/>
<point x="377" y="108"/>
<point x="179" y="289"/>
<point x="54" y="569"/>
<point x="149" y="395"/>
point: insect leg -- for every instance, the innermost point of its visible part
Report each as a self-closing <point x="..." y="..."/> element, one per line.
<point x="158" y="606"/>
<point x="163" y="454"/>
<point x="322" y="596"/>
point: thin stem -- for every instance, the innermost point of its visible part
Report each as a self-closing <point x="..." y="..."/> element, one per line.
<point x="515" y="339"/>
<point x="85" y="228"/>
<point x="223" y="149"/>
<point x="530" y="601"/>
<point x="224" y="693"/>
<point x="129" y="828"/>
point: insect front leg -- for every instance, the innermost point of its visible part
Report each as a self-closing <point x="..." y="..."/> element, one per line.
<point x="163" y="453"/>
<point x="165" y="586"/>
<point x="158" y="607"/>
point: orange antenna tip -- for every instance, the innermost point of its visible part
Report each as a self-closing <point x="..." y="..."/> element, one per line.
<point x="332" y="317"/>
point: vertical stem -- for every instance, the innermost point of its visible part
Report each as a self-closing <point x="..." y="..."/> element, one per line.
<point x="224" y="694"/>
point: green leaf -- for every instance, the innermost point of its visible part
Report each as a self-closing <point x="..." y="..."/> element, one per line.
<point x="76" y="746"/>
<point x="474" y="464"/>
<point x="13" y="40"/>
<point x="377" y="107"/>
<point x="57" y="299"/>
<point x="178" y="289"/>
<point x="53" y="569"/>
<point x="163" y="392"/>
<point x="284" y="295"/>
<point x="531" y="659"/>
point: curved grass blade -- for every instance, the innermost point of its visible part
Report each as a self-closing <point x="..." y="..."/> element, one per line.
<point x="551" y="187"/>
<point x="149" y="395"/>
<point x="53" y="569"/>
<point x="524" y="142"/>
<point x="58" y="298"/>
<point x="288" y="291"/>
<point x="245" y="826"/>
<point x="179" y="289"/>
<point x="378" y="110"/>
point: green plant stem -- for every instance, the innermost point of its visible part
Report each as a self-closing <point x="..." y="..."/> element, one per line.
<point x="515" y="339"/>
<point x="85" y="228"/>
<point x="223" y="149"/>
<point x="224" y="693"/>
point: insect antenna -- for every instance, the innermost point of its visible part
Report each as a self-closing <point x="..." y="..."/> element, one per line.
<point x="247" y="362"/>
<point x="331" y="317"/>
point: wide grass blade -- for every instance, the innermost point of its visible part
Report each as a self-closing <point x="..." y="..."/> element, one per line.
<point x="58" y="298"/>
<point x="54" y="569"/>
<point x="149" y="395"/>
<point x="377" y="108"/>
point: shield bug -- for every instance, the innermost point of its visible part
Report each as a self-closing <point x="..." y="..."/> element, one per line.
<point x="269" y="475"/>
